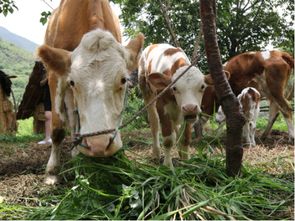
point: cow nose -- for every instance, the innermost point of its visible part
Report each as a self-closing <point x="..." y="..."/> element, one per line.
<point x="189" y="109"/>
<point x="100" y="146"/>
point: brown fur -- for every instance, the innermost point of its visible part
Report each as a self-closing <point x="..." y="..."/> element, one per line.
<point x="179" y="63"/>
<point x="58" y="134"/>
<point x="72" y="19"/>
<point x="245" y="103"/>
<point x="60" y="65"/>
<point x="255" y="97"/>
<point x="248" y="69"/>
<point x="171" y="51"/>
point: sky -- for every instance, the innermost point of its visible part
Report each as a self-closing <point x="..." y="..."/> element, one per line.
<point x="25" y="21"/>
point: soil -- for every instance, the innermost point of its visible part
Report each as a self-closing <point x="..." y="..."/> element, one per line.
<point x="22" y="169"/>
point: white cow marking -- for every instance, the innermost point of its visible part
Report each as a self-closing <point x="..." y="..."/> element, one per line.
<point x="265" y="55"/>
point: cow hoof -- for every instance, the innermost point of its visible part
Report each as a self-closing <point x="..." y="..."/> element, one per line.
<point x="156" y="154"/>
<point x="168" y="163"/>
<point x="184" y="155"/>
<point x="51" y="180"/>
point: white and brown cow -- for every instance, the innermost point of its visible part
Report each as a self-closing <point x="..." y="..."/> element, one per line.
<point x="249" y="100"/>
<point x="158" y="66"/>
<point x="268" y="72"/>
<point x="94" y="73"/>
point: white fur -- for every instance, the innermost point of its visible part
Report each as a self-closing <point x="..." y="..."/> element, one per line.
<point x="97" y="66"/>
<point x="251" y="116"/>
<point x="160" y="61"/>
<point x="60" y="98"/>
<point x="265" y="54"/>
<point x="189" y="91"/>
<point x="189" y="87"/>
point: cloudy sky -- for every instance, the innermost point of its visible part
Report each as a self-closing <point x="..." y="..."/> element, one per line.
<point x="25" y="21"/>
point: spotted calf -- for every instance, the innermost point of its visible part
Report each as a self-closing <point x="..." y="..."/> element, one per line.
<point x="250" y="105"/>
<point x="159" y="65"/>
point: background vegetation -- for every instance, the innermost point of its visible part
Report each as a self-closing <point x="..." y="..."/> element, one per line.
<point x="18" y="62"/>
<point x="243" y="25"/>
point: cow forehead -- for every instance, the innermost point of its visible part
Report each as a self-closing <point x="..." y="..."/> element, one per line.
<point x="98" y="54"/>
<point x="104" y="66"/>
<point x="193" y="77"/>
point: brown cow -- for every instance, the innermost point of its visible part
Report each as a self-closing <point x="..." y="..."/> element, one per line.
<point x="98" y="66"/>
<point x="267" y="71"/>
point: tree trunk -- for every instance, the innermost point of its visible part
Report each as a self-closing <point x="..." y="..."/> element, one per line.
<point x="229" y="102"/>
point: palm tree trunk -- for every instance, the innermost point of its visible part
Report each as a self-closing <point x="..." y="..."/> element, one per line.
<point x="229" y="102"/>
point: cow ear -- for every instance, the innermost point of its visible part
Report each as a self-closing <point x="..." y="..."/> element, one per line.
<point x="227" y="74"/>
<point x="57" y="60"/>
<point x="159" y="81"/>
<point x="135" y="47"/>
<point x="208" y="79"/>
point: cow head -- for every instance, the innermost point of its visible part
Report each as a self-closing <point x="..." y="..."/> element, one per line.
<point x="188" y="90"/>
<point x="97" y="72"/>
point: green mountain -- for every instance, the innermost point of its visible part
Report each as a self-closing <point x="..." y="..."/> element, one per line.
<point x="16" y="61"/>
<point x="17" y="40"/>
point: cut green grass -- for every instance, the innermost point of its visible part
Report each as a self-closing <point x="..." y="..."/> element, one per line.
<point x="197" y="189"/>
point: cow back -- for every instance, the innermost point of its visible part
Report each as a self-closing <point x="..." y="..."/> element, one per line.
<point x="72" y="19"/>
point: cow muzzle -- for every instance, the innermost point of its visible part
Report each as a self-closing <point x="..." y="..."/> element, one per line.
<point x="190" y="112"/>
<point x="100" y="146"/>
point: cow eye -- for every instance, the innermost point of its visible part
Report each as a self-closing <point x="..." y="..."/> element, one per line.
<point x="123" y="80"/>
<point x="202" y="87"/>
<point x="72" y="83"/>
<point x="174" y="88"/>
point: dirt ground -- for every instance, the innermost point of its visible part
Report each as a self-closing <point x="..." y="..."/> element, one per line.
<point x="21" y="169"/>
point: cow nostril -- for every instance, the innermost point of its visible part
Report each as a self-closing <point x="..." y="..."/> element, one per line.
<point x="111" y="140"/>
<point x="190" y="108"/>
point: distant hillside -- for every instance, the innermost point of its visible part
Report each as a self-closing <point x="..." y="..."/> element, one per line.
<point x="16" y="61"/>
<point x="17" y="40"/>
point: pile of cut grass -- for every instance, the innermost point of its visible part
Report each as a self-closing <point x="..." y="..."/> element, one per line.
<point x="197" y="189"/>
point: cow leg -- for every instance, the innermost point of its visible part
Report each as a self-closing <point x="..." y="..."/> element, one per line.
<point x="72" y="118"/>
<point x="286" y="110"/>
<point x="168" y="132"/>
<point x="70" y="107"/>
<point x="246" y="134"/>
<point x="198" y="127"/>
<point x="273" y="114"/>
<point x="155" y="128"/>
<point x="53" y="164"/>
<point x="252" y="127"/>
<point x="290" y="124"/>
<point x="152" y="115"/>
<point x="184" y="148"/>
<point x="57" y="136"/>
<point x="277" y="92"/>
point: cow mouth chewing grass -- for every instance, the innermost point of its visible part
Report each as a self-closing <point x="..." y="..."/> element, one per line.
<point x="190" y="118"/>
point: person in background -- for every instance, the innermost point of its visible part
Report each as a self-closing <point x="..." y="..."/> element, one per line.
<point x="48" y="115"/>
